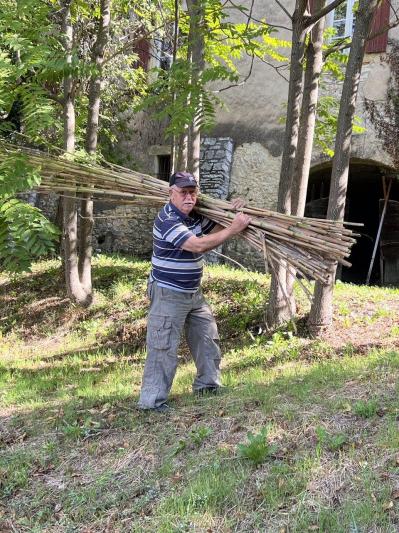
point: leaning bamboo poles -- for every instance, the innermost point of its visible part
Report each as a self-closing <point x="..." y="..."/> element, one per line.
<point x="309" y="246"/>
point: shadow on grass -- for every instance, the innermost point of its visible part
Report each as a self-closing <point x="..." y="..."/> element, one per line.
<point x="38" y="302"/>
<point x="35" y="385"/>
<point x="73" y="424"/>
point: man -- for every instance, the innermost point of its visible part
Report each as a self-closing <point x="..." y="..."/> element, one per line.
<point x="181" y="236"/>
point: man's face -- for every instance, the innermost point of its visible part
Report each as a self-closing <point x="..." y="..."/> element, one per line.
<point x="183" y="198"/>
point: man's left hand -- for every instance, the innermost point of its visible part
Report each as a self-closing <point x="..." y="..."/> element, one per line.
<point x="238" y="203"/>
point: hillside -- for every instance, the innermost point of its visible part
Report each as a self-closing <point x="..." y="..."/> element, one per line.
<point x="304" y="437"/>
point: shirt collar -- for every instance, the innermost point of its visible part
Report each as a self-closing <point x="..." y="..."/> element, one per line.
<point x="178" y="212"/>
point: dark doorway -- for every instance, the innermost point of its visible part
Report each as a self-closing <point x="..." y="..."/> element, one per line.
<point x="164" y="166"/>
<point x="365" y="190"/>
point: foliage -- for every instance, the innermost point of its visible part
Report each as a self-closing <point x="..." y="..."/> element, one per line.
<point x="31" y="66"/>
<point x="25" y="234"/>
<point x="199" y="434"/>
<point x="327" y="121"/>
<point x="173" y="95"/>
<point x="335" y="62"/>
<point x="332" y="442"/>
<point x="257" y="449"/>
<point x="32" y="69"/>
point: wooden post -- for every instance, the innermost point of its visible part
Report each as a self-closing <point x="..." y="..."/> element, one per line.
<point x="377" y="240"/>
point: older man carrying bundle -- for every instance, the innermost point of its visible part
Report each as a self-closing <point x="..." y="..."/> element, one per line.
<point x="181" y="236"/>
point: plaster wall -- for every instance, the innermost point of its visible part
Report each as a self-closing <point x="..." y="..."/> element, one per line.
<point x="252" y="117"/>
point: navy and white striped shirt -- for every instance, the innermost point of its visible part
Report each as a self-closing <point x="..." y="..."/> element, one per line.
<point x="173" y="267"/>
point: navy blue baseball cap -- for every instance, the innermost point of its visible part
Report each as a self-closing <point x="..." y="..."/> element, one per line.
<point x="183" y="179"/>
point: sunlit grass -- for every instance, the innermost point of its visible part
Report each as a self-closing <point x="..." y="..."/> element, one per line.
<point x="76" y="455"/>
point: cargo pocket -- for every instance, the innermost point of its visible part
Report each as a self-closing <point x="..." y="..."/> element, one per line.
<point x="159" y="332"/>
<point x="149" y="289"/>
<point x="212" y="348"/>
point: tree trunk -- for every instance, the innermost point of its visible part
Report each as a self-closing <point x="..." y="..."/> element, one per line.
<point x="321" y="312"/>
<point x="181" y="163"/>
<point x="314" y="65"/>
<point x="95" y="88"/>
<point x="74" y="287"/>
<point x="280" y="305"/>
<point x="174" y="146"/>
<point x="197" y="45"/>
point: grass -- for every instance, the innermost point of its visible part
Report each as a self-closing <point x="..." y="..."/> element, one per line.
<point x="304" y="437"/>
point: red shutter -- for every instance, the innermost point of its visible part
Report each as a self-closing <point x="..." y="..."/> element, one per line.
<point x="311" y="6"/>
<point x="142" y="49"/>
<point x="381" y="21"/>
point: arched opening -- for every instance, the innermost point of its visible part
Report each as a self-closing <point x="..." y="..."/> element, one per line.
<point x="364" y="203"/>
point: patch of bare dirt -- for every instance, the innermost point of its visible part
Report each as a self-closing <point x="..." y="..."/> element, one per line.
<point x="368" y="324"/>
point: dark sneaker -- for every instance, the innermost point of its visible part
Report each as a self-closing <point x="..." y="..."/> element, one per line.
<point x="164" y="408"/>
<point x="205" y="391"/>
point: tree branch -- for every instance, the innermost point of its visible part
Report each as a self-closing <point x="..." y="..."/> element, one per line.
<point x="131" y="42"/>
<point x="249" y="18"/>
<point x="323" y="12"/>
<point x="242" y="82"/>
<point x="388" y="27"/>
<point x="260" y="21"/>
<point x="54" y="97"/>
<point x="284" y="9"/>
<point x="393" y="9"/>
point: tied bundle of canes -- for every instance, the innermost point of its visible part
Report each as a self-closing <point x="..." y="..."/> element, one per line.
<point x="307" y="246"/>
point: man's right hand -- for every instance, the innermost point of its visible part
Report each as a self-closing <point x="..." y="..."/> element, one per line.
<point x="240" y="223"/>
<point x="208" y="242"/>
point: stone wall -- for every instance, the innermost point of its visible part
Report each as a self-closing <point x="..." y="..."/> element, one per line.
<point x="215" y="164"/>
<point x="123" y="229"/>
<point x="128" y="229"/>
<point x="215" y="170"/>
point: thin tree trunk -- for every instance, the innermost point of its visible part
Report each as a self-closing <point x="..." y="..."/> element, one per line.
<point x="181" y="162"/>
<point x="196" y="39"/>
<point x="95" y="88"/>
<point x="280" y="307"/>
<point x="74" y="287"/>
<point x="174" y="146"/>
<point x="321" y="312"/>
<point x="314" y="65"/>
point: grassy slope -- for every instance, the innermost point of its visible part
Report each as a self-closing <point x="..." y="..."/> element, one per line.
<point x="75" y="455"/>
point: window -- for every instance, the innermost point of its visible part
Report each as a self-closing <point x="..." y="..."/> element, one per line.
<point x="142" y="49"/>
<point x="342" y="19"/>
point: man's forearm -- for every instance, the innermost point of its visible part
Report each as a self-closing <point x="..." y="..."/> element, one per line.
<point x="200" y="245"/>
<point x="213" y="240"/>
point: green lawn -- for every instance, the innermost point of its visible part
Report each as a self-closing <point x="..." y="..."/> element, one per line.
<point x="304" y="437"/>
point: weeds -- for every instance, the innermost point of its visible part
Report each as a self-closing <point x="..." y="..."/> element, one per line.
<point x="366" y="408"/>
<point x="257" y="449"/>
<point x="332" y="442"/>
<point x="200" y="434"/>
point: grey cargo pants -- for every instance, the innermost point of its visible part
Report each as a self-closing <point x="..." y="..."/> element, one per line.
<point x="170" y="311"/>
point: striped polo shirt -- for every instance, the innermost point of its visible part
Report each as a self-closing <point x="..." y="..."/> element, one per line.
<point x="173" y="267"/>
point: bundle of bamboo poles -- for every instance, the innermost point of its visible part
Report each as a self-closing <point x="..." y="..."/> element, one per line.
<point x="306" y="245"/>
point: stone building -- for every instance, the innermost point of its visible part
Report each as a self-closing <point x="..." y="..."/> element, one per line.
<point x="242" y="156"/>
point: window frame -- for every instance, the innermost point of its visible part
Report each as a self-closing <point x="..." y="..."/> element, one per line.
<point x="349" y="19"/>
